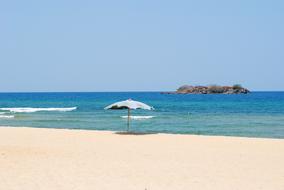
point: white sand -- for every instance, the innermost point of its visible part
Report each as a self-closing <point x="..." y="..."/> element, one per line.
<point x="55" y="159"/>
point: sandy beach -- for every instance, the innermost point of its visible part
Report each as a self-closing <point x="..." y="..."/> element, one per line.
<point x="45" y="159"/>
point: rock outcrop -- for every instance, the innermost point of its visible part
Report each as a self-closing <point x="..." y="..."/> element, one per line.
<point x="213" y="89"/>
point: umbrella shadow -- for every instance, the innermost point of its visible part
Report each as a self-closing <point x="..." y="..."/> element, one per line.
<point x="134" y="133"/>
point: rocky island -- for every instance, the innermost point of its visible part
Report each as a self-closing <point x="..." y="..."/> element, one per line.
<point x="212" y="89"/>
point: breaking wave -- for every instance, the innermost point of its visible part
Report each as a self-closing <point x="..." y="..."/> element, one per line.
<point x="7" y="116"/>
<point x="138" y="117"/>
<point x="31" y="110"/>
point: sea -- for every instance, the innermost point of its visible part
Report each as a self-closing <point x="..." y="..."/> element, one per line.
<point x="258" y="114"/>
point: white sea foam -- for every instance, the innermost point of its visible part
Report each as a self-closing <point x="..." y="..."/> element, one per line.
<point x="7" y="116"/>
<point x="138" y="117"/>
<point x="31" y="110"/>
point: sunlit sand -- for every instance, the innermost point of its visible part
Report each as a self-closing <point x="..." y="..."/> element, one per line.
<point x="60" y="159"/>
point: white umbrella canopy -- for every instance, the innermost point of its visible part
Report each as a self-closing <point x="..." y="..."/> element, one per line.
<point x="130" y="105"/>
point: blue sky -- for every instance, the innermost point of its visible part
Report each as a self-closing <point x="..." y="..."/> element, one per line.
<point x="147" y="45"/>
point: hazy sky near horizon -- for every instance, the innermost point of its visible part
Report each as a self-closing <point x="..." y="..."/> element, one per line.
<point x="147" y="45"/>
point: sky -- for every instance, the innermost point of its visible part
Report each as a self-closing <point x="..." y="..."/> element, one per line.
<point x="149" y="45"/>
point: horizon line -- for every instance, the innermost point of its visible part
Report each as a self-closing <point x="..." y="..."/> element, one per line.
<point x="6" y="92"/>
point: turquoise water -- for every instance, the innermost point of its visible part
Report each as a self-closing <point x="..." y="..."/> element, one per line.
<point x="259" y="114"/>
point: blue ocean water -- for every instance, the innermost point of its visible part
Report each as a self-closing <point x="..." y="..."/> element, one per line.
<point x="258" y="114"/>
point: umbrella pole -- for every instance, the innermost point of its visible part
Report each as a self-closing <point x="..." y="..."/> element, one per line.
<point x="128" y="120"/>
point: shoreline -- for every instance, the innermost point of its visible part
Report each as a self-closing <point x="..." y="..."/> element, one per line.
<point x="63" y="159"/>
<point x="144" y="133"/>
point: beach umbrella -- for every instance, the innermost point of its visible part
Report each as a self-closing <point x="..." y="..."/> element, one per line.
<point x="129" y="105"/>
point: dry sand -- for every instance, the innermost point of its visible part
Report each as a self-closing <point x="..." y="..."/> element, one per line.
<point x="57" y="159"/>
